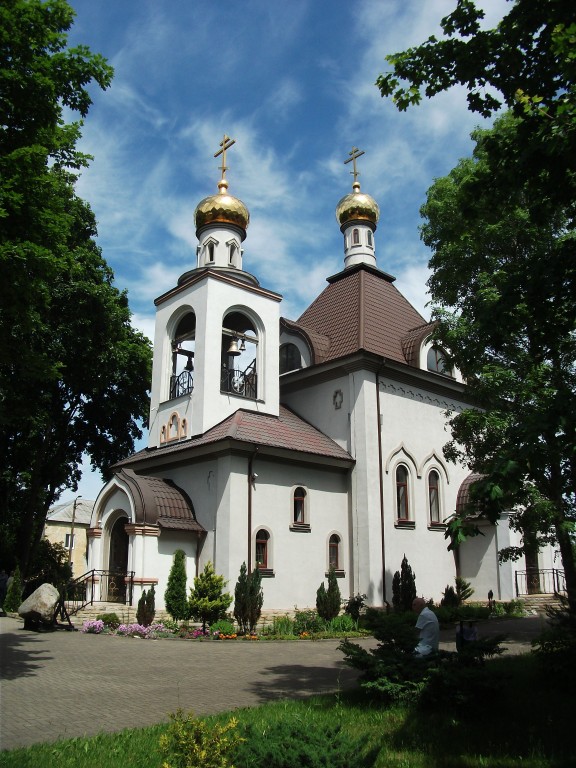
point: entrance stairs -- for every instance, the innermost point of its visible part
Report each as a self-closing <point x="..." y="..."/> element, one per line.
<point x="536" y="605"/>
<point x="126" y="613"/>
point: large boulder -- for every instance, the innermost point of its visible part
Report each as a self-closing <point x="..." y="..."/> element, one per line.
<point x="40" y="606"/>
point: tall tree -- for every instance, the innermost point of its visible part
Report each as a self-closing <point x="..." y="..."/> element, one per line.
<point x="73" y="372"/>
<point x="503" y="225"/>
<point x="176" y="597"/>
<point x="504" y="282"/>
<point x="526" y="63"/>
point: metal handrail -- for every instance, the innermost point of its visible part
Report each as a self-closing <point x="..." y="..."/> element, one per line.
<point x="540" y="581"/>
<point x="242" y="383"/>
<point x="98" y="586"/>
<point x="181" y="384"/>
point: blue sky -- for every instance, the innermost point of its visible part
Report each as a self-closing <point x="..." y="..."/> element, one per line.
<point x="293" y="83"/>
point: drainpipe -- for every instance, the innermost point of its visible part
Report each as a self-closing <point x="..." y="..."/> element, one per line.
<point x="250" y="481"/>
<point x="381" y="479"/>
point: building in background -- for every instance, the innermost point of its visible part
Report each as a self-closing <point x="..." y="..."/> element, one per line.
<point x="67" y="524"/>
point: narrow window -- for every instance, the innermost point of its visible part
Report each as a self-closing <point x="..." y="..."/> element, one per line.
<point x="233" y="248"/>
<point x="355" y="237"/>
<point x="370" y="238"/>
<point x="70" y="537"/>
<point x="299" y="504"/>
<point x="210" y="251"/>
<point x="262" y="538"/>
<point x="334" y="552"/>
<point x="436" y="361"/>
<point x="434" y="496"/>
<point x="290" y="359"/>
<point x="402" y="507"/>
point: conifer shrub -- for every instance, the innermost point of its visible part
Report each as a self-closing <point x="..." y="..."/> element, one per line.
<point x="207" y="602"/>
<point x="328" y="600"/>
<point x="289" y="742"/>
<point x="175" y="597"/>
<point x="248" y="599"/>
<point x="146" y="608"/>
<point x="13" y="599"/>
<point x="403" y="587"/>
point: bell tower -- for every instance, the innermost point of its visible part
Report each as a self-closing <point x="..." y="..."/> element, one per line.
<point x="217" y="330"/>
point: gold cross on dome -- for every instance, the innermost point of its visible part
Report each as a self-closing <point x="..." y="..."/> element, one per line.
<point x="354" y="155"/>
<point x="225" y="144"/>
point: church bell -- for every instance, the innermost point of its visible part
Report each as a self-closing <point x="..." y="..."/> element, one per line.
<point x="233" y="348"/>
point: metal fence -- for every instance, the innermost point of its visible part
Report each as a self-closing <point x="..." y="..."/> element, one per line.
<point x="99" y="587"/>
<point x="535" y="581"/>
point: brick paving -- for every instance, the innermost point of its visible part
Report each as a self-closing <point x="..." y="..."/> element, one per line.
<point x="65" y="684"/>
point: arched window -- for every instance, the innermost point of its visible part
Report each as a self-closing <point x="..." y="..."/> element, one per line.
<point x="434" y="496"/>
<point x="290" y="359"/>
<point x="239" y="356"/>
<point x="436" y="361"/>
<point x="183" y="342"/>
<point x="402" y="500"/>
<point x="355" y="237"/>
<point x="334" y="552"/>
<point x="262" y="538"/>
<point x="299" y="506"/>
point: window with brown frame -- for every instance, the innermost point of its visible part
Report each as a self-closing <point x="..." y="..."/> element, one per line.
<point x="402" y="500"/>
<point x="299" y="517"/>
<point x="334" y="552"/>
<point x="434" y="496"/>
<point x="262" y="538"/>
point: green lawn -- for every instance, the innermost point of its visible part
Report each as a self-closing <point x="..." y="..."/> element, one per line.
<point x="526" y="722"/>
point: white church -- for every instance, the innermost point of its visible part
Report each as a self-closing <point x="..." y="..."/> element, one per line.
<point x="289" y="445"/>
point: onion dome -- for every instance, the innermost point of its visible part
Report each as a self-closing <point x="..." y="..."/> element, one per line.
<point x="357" y="206"/>
<point x="221" y="209"/>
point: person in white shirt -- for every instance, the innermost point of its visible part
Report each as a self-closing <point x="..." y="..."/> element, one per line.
<point x="428" y="626"/>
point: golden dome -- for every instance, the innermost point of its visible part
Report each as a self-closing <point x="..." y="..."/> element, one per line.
<point x="221" y="208"/>
<point x="357" y="205"/>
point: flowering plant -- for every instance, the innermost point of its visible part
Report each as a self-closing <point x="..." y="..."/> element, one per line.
<point x="93" y="626"/>
<point x="138" y="630"/>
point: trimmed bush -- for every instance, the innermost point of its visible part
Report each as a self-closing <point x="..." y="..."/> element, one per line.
<point x="207" y="601"/>
<point x="328" y="600"/>
<point x="146" y="608"/>
<point x="248" y="599"/>
<point x="175" y="597"/>
<point x="190" y="742"/>
<point x="13" y="599"/>
<point x="403" y="588"/>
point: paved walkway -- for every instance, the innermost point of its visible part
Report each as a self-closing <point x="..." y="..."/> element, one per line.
<point x="66" y="684"/>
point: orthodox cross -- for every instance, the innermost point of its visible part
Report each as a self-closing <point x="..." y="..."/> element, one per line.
<point x="354" y="155"/>
<point x="225" y="144"/>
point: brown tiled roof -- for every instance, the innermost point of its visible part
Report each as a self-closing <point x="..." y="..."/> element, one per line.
<point x="362" y="310"/>
<point x="160" y="502"/>
<point x="318" y="343"/>
<point x="464" y="505"/>
<point x="412" y="342"/>
<point x="287" y="431"/>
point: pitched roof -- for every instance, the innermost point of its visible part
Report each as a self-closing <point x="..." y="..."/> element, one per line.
<point x="160" y="502"/>
<point x="287" y="431"/>
<point x="62" y="513"/>
<point x="361" y="309"/>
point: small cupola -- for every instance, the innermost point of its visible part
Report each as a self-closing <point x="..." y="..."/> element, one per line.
<point x="358" y="214"/>
<point x="221" y="222"/>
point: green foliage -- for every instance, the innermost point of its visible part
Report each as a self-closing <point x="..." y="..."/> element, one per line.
<point x="223" y="626"/>
<point x="308" y="621"/>
<point x="192" y="743"/>
<point x="248" y="599"/>
<point x="13" y="599"/>
<point x="556" y="646"/>
<point x="455" y="596"/>
<point x="282" y="626"/>
<point x="78" y="383"/>
<point x="355" y="605"/>
<point x="207" y="602"/>
<point x="328" y="600"/>
<point x="502" y="230"/>
<point x="175" y="597"/>
<point x="340" y="624"/>
<point x="146" y="607"/>
<point x="403" y="588"/>
<point x="49" y="566"/>
<point x="110" y="620"/>
<point x="287" y="743"/>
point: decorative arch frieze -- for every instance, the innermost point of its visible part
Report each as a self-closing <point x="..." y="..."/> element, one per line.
<point x="406" y="456"/>
<point x="435" y="462"/>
